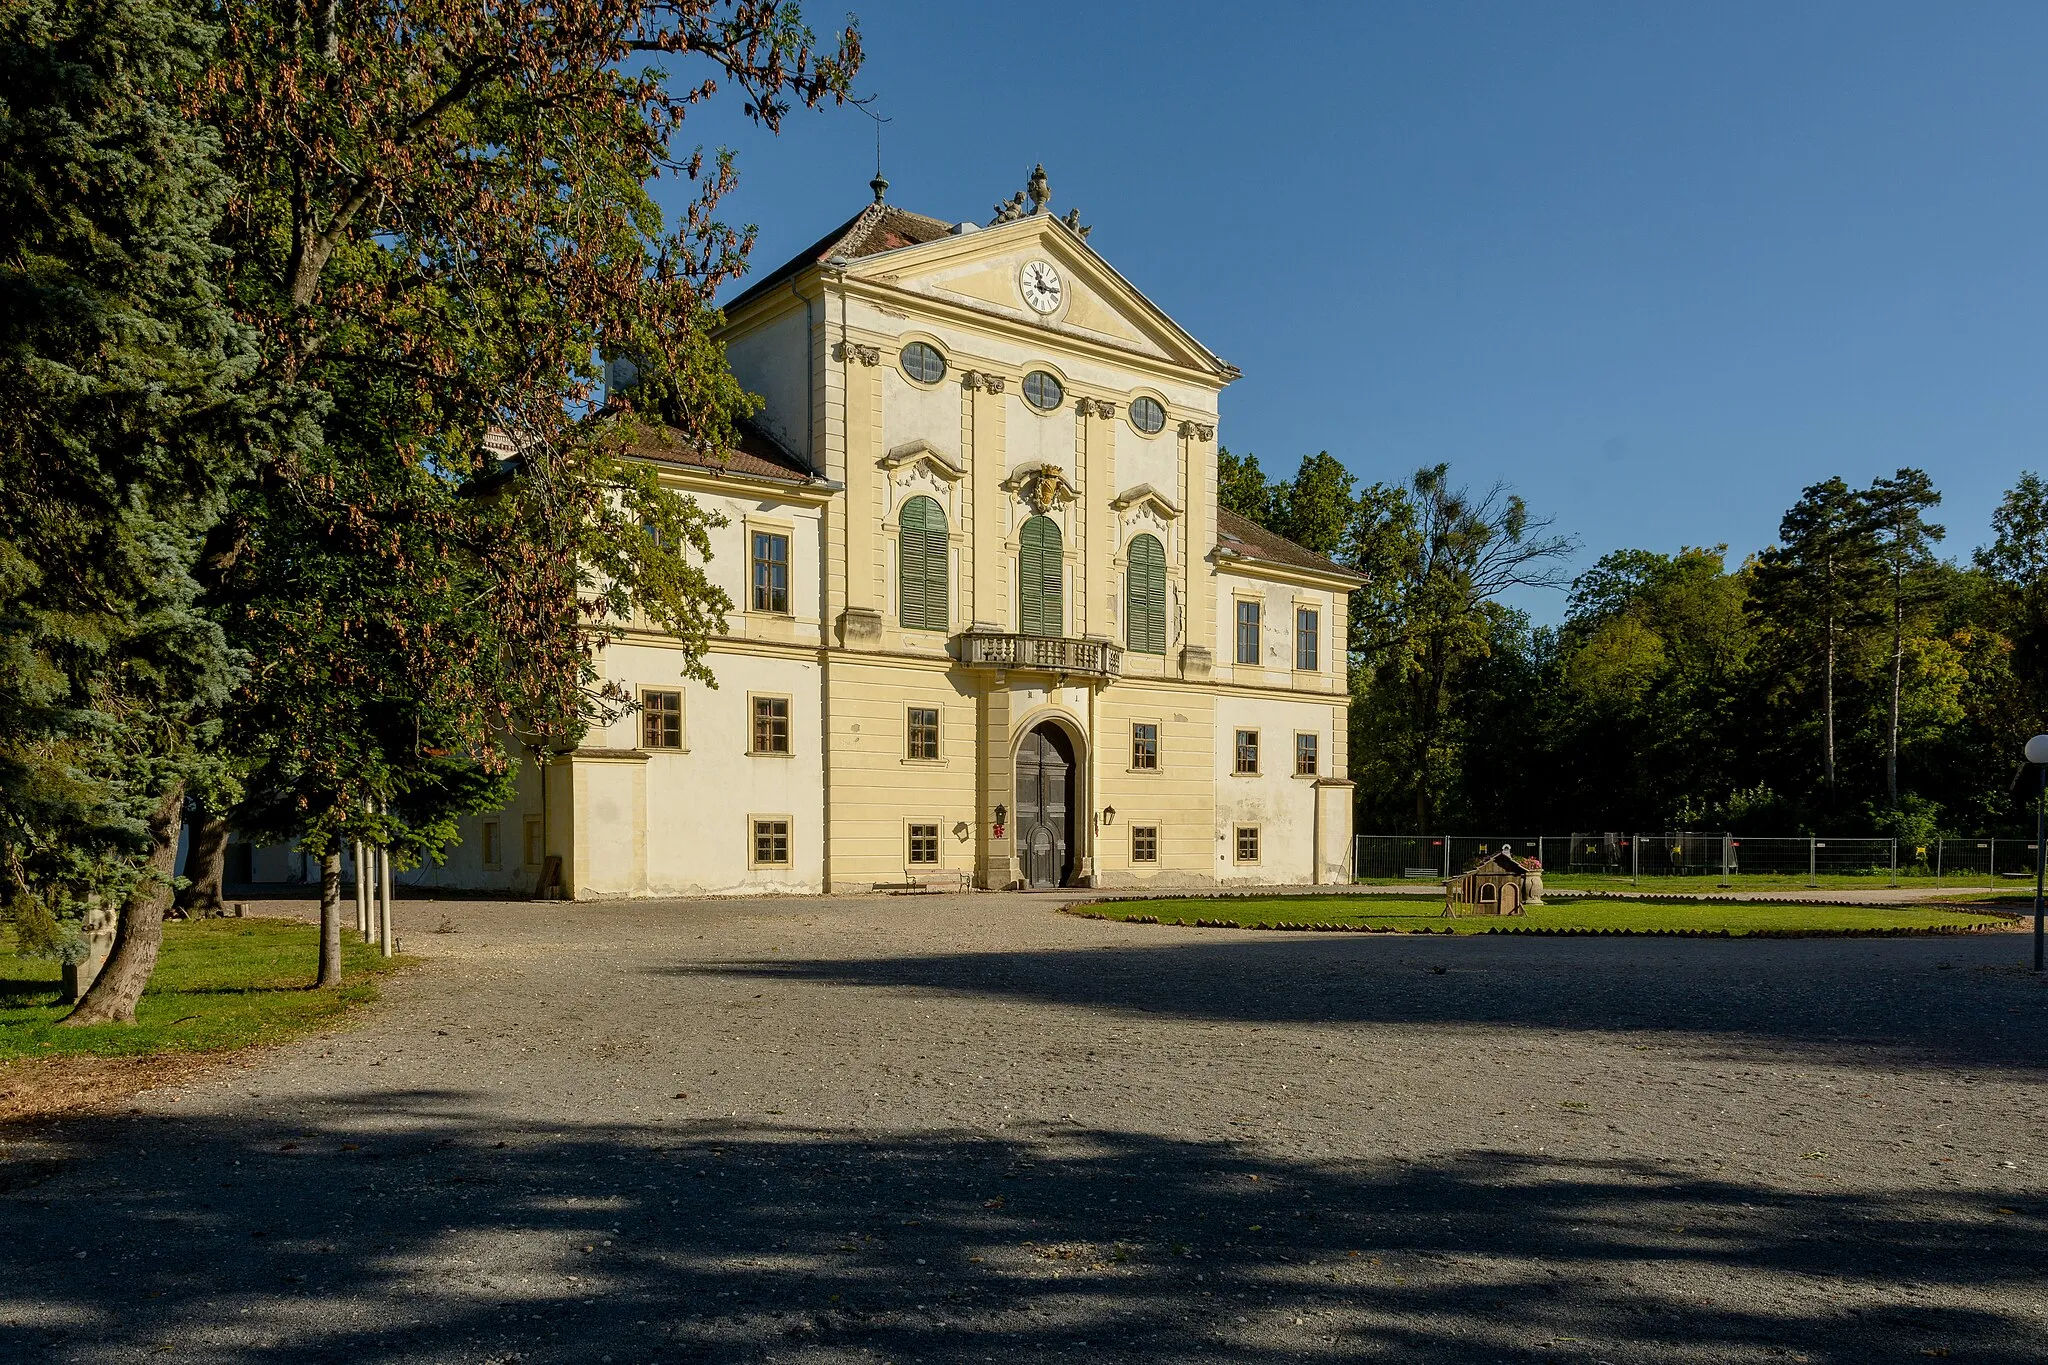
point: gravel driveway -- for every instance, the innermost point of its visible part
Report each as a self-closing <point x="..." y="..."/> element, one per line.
<point x="971" y="1128"/>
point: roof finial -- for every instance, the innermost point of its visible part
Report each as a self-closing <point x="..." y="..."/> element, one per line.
<point x="878" y="184"/>
<point x="1039" y="190"/>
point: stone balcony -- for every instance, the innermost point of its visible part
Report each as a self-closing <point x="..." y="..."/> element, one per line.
<point x="1042" y="654"/>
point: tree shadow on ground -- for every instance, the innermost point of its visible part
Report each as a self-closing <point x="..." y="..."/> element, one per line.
<point x="1919" y="1002"/>
<point x="460" y="1238"/>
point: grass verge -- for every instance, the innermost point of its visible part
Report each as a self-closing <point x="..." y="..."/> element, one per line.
<point x="1709" y="883"/>
<point x="1424" y="914"/>
<point x="219" y="984"/>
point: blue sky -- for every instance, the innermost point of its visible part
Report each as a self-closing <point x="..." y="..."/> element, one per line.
<point x="1658" y="267"/>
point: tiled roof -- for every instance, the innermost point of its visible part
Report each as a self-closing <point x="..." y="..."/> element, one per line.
<point x="876" y="228"/>
<point x="758" y="455"/>
<point x="1242" y="536"/>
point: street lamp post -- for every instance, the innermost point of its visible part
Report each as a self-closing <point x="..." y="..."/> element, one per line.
<point x="2037" y="754"/>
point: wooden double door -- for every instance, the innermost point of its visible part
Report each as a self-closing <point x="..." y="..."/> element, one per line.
<point x="1045" y="807"/>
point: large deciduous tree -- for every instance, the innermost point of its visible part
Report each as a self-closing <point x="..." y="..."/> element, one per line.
<point x="443" y="219"/>
<point x="122" y="375"/>
<point x="440" y="219"/>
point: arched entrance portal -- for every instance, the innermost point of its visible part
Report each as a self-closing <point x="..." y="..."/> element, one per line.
<point x="1045" y="806"/>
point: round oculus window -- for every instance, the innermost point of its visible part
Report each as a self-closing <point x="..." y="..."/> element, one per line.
<point x="923" y="363"/>
<point x="1147" y="416"/>
<point x="1042" y="391"/>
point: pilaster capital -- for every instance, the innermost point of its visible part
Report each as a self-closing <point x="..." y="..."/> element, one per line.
<point x="1197" y="431"/>
<point x="854" y="350"/>
<point x="1095" y="407"/>
<point x="981" y="381"/>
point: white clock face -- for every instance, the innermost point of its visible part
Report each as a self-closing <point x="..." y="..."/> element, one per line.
<point x="1041" y="286"/>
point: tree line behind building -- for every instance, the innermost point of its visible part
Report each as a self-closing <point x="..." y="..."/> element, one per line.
<point x="1849" y="678"/>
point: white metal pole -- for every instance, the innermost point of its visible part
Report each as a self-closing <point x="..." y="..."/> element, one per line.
<point x="385" y="943"/>
<point x="362" y="894"/>
<point x="1812" y="862"/>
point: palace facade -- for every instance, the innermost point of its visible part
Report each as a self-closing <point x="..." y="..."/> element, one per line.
<point x="991" y="627"/>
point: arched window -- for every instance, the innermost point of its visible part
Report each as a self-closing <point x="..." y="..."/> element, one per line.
<point x="1038" y="578"/>
<point x="921" y="565"/>
<point x="1145" y="597"/>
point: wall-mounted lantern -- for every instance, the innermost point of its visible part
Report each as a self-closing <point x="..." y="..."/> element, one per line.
<point x="1109" y="815"/>
<point x="1001" y="811"/>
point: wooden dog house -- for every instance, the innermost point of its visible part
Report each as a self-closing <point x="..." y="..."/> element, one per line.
<point x="1497" y="884"/>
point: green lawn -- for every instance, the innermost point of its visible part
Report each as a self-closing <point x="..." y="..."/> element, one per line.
<point x="1710" y="883"/>
<point x="220" y="983"/>
<point x="1426" y="912"/>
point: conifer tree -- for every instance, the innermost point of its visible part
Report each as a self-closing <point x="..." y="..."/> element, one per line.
<point x="1813" y="590"/>
<point x="120" y="373"/>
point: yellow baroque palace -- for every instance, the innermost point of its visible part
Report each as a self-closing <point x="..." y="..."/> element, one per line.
<point x="991" y="629"/>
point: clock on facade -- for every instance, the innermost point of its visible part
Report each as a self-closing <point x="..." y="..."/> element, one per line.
<point x="1041" y="286"/>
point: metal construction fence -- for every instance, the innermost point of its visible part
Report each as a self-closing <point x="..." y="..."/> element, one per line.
<point x="1727" y="859"/>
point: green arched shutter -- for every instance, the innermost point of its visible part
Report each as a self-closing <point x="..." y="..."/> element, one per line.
<point x="1145" y="599"/>
<point x="1038" y="578"/>
<point x="921" y="565"/>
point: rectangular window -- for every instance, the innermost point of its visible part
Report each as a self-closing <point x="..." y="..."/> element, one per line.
<point x="491" y="850"/>
<point x="771" y="725"/>
<point x="661" y="720"/>
<point x="924" y="845"/>
<point x="771" y="843"/>
<point x="1308" y="647"/>
<point x="1247" y="753"/>
<point x="771" y="572"/>
<point x="1145" y="746"/>
<point x="536" y="852"/>
<point x="1304" y="755"/>
<point x="1247" y="843"/>
<point x="1247" y="632"/>
<point x="924" y="732"/>
<point x="1144" y="843"/>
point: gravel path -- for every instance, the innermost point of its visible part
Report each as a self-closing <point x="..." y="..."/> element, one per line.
<point x="970" y="1128"/>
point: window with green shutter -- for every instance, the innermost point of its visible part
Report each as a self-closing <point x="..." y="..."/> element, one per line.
<point x="1038" y="578"/>
<point x="921" y="565"/>
<point x="1145" y="597"/>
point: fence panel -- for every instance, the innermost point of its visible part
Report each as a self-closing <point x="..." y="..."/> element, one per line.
<point x="1394" y="857"/>
<point x="1593" y="860"/>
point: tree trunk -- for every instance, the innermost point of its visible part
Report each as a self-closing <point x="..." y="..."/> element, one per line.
<point x="330" y="919"/>
<point x="205" y="862"/>
<point x="1891" y="757"/>
<point x="139" y="932"/>
<point x="1828" y="720"/>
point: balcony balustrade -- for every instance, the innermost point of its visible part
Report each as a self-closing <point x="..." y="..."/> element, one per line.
<point x="1042" y="654"/>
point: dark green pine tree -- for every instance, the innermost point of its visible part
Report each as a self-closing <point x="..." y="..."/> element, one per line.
<point x="119" y="375"/>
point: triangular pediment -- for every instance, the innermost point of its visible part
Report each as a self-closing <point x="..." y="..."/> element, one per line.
<point x="981" y="271"/>
<point x="924" y="453"/>
<point x="1145" y="495"/>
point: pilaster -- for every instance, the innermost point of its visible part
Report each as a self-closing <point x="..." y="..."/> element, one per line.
<point x="981" y="442"/>
<point x="1198" y="494"/>
<point x="858" y="368"/>
<point x="1095" y="458"/>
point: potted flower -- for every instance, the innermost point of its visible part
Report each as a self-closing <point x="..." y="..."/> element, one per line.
<point x="1534" y="867"/>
